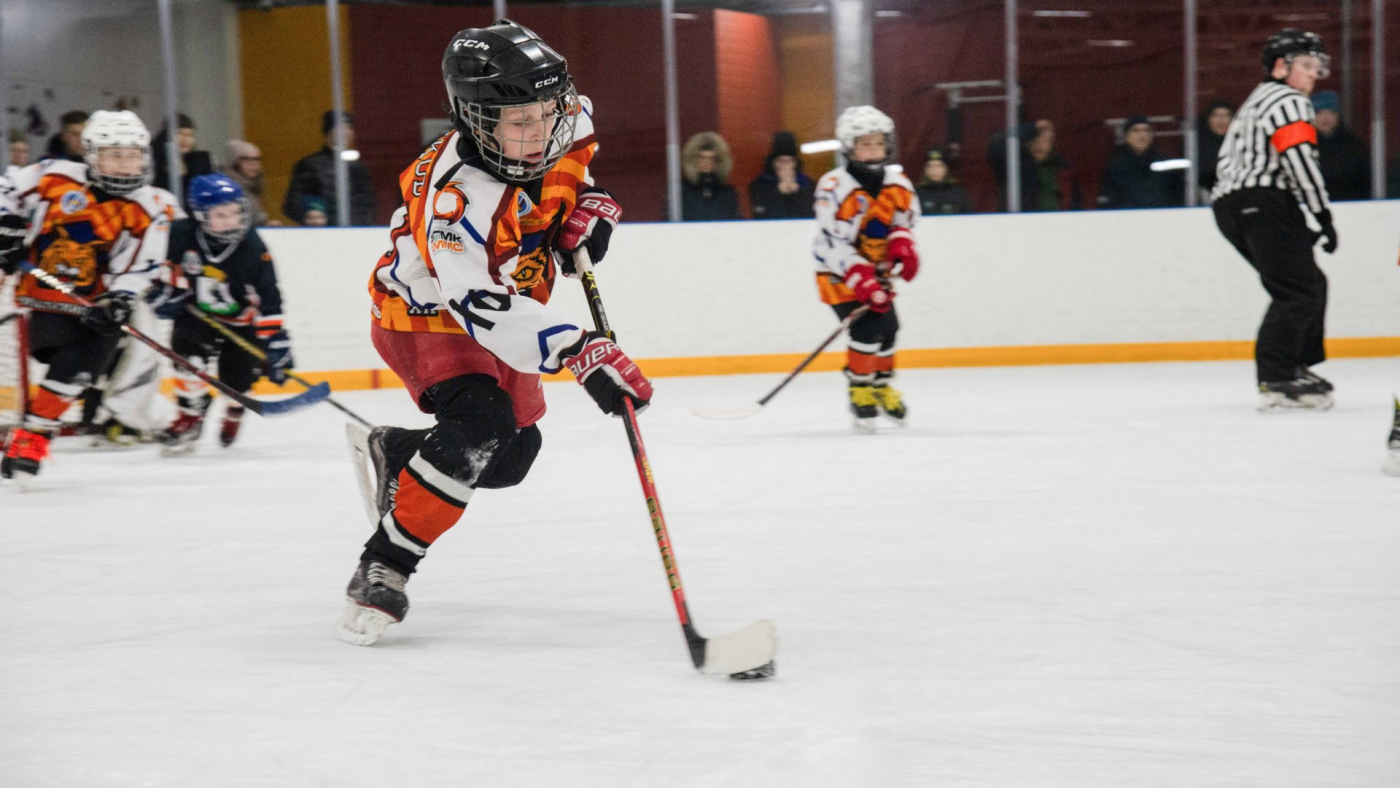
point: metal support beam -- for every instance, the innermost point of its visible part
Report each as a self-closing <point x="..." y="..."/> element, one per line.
<point x="342" y="167"/>
<point x="1013" y="96"/>
<point x="1188" y="105"/>
<point x="1348" y="86"/>
<point x="852" y="35"/>
<point x="1378" y="99"/>
<point x="172" y="126"/>
<point x="500" y="7"/>
<point x="673" y="115"/>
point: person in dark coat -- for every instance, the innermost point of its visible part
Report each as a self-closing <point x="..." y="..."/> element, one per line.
<point x="193" y="163"/>
<point x="939" y="192"/>
<point x="706" y="195"/>
<point x="68" y="142"/>
<point x="1047" y="182"/>
<point x="783" y="191"/>
<point x="1210" y="133"/>
<point x="1129" y="180"/>
<point x="1344" y="159"/>
<point x="314" y="176"/>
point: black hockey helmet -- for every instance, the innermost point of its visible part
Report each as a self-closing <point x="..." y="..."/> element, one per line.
<point x="1291" y="42"/>
<point x="490" y="70"/>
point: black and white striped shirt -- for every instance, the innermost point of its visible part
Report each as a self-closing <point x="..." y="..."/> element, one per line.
<point x="1272" y="143"/>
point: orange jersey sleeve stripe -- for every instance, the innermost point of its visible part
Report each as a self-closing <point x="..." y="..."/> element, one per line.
<point x="1295" y="133"/>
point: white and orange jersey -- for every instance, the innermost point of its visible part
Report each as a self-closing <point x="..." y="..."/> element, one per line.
<point x="473" y="255"/>
<point x="854" y="226"/>
<point x="84" y="236"/>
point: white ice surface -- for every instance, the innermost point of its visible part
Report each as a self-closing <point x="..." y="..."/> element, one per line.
<point x="1095" y="576"/>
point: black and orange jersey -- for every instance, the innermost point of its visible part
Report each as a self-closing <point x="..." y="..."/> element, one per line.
<point x="854" y="226"/>
<point x="471" y="254"/>
<point x="235" y="283"/>
<point x="92" y="240"/>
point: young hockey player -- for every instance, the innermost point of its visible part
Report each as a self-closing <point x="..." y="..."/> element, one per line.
<point x="1268" y="166"/>
<point x="228" y="275"/>
<point x="98" y="226"/>
<point x="865" y="214"/>
<point x="1392" y="459"/>
<point x="460" y="301"/>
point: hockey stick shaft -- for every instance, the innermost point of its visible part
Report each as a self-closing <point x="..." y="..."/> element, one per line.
<point x="693" y="640"/>
<point x="309" y="397"/>
<point x="845" y="324"/>
<point x="261" y="355"/>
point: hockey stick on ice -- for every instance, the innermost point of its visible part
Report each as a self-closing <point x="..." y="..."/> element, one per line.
<point x="261" y="407"/>
<point x="261" y="355"/>
<point x="745" y="654"/>
<point x="743" y="411"/>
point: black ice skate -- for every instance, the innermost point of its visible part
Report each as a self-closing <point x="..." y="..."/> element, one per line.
<point x="1307" y="374"/>
<point x="182" y="436"/>
<point x="375" y="599"/>
<point x="1392" y="460"/>
<point x="1297" y="394"/>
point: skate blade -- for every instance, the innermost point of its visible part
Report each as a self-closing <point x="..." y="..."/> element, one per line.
<point x="865" y="426"/>
<point x="897" y="420"/>
<point x="362" y="626"/>
<point x="179" y="449"/>
<point x="1277" y="403"/>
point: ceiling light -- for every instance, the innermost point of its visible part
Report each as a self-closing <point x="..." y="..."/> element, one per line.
<point x="888" y="14"/>
<point x="1109" y="42"/>
<point x="821" y="146"/>
<point x="683" y="15"/>
<point x="1062" y="14"/>
<point x="1166" y="165"/>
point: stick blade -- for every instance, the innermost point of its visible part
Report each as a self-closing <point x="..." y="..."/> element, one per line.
<point x="727" y="411"/>
<point x="281" y="407"/>
<point x="357" y="438"/>
<point x="747" y="649"/>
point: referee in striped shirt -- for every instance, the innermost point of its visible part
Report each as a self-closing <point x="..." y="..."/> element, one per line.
<point x="1267" y="175"/>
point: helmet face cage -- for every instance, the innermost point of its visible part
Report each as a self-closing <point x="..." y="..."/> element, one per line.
<point x="1324" y="68"/>
<point x="858" y="122"/>
<point x="118" y="185"/>
<point x="1291" y="43"/>
<point x="230" y="236"/>
<point x="491" y="136"/>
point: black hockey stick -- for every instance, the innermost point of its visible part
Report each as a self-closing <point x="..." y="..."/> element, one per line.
<point x="261" y="355"/>
<point x="742" y="411"/>
<point x="261" y="407"/>
<point x="742" y="655"/>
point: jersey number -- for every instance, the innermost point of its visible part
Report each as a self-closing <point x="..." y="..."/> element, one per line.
<point x="215" y="297"/>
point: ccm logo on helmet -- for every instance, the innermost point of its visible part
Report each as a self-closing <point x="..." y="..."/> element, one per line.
<point x="469" y="43"/>
<point x="546" y="82"/>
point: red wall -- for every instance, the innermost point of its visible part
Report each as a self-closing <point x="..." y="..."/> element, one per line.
<point x="748" y="91"/>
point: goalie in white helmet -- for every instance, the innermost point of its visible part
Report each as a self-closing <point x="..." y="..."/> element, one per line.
<point x="98" y="226"/>
<point x="866" y="212"/>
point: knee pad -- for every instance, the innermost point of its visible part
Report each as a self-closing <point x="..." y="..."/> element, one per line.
<point x="475" y="426"/>
<point x="512" y="464"/>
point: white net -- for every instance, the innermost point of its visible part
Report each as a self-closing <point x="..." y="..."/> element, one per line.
<point x="11" y="358"/>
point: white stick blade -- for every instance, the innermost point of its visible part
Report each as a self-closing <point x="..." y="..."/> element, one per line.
<point x="357" y="437"/>
<point x="749" y="648"/>
<point x="727" y="411"/>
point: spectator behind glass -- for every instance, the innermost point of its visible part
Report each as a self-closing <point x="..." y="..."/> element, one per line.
<point x="939" y="192"/>
<point x="783" y="191"/>
<point x="244" y="166"/>
<point x="706" y="195"/>
<point x="19" y="148"/>
<point x="1129" y="180"/>
<point x="1047" y="184"/>
<point x="314" y="176"/>
<point x="68" y="142"/>
<point x="314" y="212"/>
<point x="1210" y="133"/>
<point x="1344" y="159"/>
<point x="193" y="163"/>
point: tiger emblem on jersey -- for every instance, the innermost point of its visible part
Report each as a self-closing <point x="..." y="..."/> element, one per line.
<point x="69" y="259"/>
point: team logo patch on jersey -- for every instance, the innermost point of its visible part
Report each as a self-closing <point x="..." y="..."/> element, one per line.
<point x="73" y="201"/>
<point x="529" y="269"/>
<point x="191" y="263"/>
<point x="450" y="204"/>
<point x="522" y="204"/>
<point x="446" y="241"/>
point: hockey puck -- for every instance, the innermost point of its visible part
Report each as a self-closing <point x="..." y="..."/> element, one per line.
<point x="757" y="674"/>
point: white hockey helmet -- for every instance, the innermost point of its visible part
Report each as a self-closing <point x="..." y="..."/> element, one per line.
<point x="857" y="122"/>
<point x="117" y="129"/>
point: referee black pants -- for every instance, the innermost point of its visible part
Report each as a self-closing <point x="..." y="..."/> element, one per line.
<point x="1268" y="229"/>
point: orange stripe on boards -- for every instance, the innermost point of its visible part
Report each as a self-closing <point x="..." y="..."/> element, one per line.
<point x="1017" y="355"/>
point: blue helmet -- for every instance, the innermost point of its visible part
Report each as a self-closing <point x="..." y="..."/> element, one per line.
<point x="209" y="191"/>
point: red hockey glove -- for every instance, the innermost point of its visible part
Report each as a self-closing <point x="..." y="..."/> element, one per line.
<point x="861" y="279"/>
<point x="589" y="225"/>
<point x="903" y="259"/>
<point x="607" y="374"/>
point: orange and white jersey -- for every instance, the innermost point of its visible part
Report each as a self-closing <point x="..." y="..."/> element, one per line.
<point x="92" y="240"/>
<point x="471" y="254"/>
<point x="854" y="226"/>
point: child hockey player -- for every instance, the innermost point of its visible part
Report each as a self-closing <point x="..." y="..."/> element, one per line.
<point x="460" y="300"/>
<point x="865" y="215"/>
<point x="228" y="275"/>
